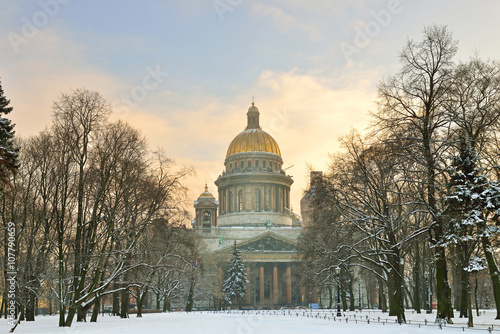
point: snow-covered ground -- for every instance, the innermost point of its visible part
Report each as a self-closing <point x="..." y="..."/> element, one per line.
<point x="261" y="322"/>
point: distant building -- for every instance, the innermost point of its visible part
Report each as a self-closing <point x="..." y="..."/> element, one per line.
<point x="306" y="209"/>
<point x="254" y="210"/>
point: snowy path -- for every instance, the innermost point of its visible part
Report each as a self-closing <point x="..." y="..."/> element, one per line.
<point x="264" y="322"/>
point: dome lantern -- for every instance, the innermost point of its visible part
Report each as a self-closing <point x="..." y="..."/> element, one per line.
<point x="253" y="117"/>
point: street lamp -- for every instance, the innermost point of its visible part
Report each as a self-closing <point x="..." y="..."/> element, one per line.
<point x="359" y="294"/>
<point x="337" y="271"/>
<point x="428" y="293"/>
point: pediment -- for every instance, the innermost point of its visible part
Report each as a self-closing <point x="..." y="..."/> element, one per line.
<point x="267" y="242"/>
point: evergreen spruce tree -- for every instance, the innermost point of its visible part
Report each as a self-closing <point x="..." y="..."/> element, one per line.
<point x="466" y="199"/>
<point x="235" y="285"/>
<point x="465" y="205"/>
<point x="473" y="205"/>
<point x="8" y="153"/>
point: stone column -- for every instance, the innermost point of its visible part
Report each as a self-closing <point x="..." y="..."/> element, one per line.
<point x="280" y="199"/>
<point x="283" y="285"/>
<point x="275" y="284"/>
<point x="248" y="297"/>
<point x="221" y="207"/>
<point x="261" y="297"/>
<point x="236" y="208"/>
<point x="288" y="284"/>
<point x="288" y="204"/>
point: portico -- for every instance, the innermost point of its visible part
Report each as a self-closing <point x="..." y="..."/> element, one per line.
<point x="270" y="260"/>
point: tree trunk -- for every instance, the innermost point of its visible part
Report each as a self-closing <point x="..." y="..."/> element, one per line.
<point x="95" y="311"/>
<point x="30" y="306"/>
<point x="125" y="304"/>
<point x="395" y="287"/>
<point x="475" y="297"/>
<point x="494" y="272"/>
<point x="116" y="301"/>
<point x="343" y="294"/>
<point x="189" y="306"/>
<point x="464" y="294"/>
<point x="60" y="287"/>
<point x="445" y="310"/>
<point x="470" y="322"/>
<point x="140" y="302"/>
<point x="456" y="272"/>
<point x="330" y="297"/>
<point x="62" y="313"/>
<point x="81" y="313"/>
<point x="166" y="304"/>
<point x="416" y="280"/>
<point x="351" y="299"/>
<point x="381" y="296"/>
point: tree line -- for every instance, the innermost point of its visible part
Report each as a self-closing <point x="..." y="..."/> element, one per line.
<point x="96" y="213"/>
<point x="419" y="192"/>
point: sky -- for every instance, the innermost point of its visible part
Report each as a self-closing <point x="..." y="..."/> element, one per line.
<point x="184" y="72"/>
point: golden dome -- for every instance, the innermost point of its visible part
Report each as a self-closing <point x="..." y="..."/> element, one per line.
<point x="206" y="193"/>
<point x="253" y="140"/>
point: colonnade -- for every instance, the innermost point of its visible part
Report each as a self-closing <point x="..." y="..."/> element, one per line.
<point x="269" y="283"/>
<point x="272" y="198"/>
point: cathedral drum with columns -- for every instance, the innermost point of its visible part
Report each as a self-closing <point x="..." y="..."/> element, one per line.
<point x="254" y="211"/>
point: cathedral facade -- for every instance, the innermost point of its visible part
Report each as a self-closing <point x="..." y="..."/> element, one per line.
<point x="254" y="211"/>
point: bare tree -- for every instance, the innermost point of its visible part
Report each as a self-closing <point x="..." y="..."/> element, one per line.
<point x="411" y="111"/>
<point x="77" y="116"/>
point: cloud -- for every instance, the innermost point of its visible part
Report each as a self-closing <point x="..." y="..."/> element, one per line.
<point x="47" y="65"/>
<point x="305" y="111"/>
<point x="285" y="22"/>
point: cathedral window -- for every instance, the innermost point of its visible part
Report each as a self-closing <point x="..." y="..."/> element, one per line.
<point x="240" y="200"/>
<point x="207" y="219"/>
<point x="230" y="167"/>
<point x="264" y="163"/>
<point x="231" y="202"/>
<point x="267" y="200"/>
<point x="249" y="163"/>
<point x="256" y="163"/>
<point x="257" y="200"/>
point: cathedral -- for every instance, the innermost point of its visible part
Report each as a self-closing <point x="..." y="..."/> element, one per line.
<point x="253" y="210"/>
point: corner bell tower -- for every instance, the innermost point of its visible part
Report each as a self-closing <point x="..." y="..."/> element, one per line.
<point x="206" y="211"/>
